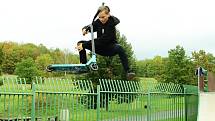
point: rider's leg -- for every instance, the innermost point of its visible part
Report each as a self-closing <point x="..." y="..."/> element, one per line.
<point x="124" y="60"/>
<point x="112" y="50"/>
<point x="82" y="53"/>
<point x="117" y="49"/>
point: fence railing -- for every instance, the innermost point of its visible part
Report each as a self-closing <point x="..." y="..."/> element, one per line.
<point x="51" y="99"/>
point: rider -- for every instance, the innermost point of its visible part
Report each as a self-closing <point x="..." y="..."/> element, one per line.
<point x="105" y="44"/>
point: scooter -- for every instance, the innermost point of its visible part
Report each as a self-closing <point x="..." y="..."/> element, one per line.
<point x="91" y="64"/>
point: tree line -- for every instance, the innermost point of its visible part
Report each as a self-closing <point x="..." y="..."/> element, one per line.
<point x="177" y="67"/>
<point x="29" y="60"/>
<point x="13" y="55"/>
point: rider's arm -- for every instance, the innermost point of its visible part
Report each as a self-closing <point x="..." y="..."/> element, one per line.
<point x="87" y="28"/>
<point x="115" y="20"/>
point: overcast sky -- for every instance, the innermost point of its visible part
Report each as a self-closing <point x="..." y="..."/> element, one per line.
<point x="151" y="26"/>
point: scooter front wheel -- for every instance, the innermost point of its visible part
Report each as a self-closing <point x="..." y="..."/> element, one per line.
<point x="94" y="67"/>
<point x="48" y="68"/>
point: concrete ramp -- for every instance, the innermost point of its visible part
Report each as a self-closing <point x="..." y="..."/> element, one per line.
<point x="206" y="106"/>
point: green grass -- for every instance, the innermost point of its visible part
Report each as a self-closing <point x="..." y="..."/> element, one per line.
<point x="148" y="79"/>
<point x="48" y="104"/>
<point x="45" y="106"/>
<point x="8" y="76"/>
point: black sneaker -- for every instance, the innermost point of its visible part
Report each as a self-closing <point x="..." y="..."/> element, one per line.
<point x="130" y="75"/>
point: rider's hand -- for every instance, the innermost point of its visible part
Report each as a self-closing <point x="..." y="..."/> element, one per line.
<point x="79" y="47"/>
<point x="84" y="32"/>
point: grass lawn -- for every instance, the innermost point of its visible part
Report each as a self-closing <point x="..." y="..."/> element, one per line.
<point x="57" y="96"/>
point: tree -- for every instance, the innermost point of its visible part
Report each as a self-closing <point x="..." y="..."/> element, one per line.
<point x="42" y="62"/>
<point x="31" y="50"/>
<point x="146" y="68"/>
<point x="58" y="56"/>
<point x="43" y="49"/>
<point x="179" y="68"/>
<point x="27" y="69"/>
<point x="153" y="68"/>
<point x="12" y="53"/>
<point x="203" y="59"/>
<point x="1" y="57"/>
<point x="142" y="68"/>
<point x="10" y="57"/>
<point x="158" y="65"/>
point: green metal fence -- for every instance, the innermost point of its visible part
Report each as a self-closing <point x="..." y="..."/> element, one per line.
<point x="52" y="99"/>
<point x="15" y="99"/>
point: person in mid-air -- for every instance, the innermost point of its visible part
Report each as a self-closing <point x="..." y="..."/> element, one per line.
<point x="105" y="44"/>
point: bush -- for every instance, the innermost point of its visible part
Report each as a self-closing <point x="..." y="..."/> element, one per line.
<point x="27" y="69"/>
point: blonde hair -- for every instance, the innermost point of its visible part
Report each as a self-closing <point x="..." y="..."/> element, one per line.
<point x="104" y="8"/>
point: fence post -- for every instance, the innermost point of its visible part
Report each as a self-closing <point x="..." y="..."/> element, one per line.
<point x="149" y="106"/>
<point x="98" y="103"/>
<point x="33" y="103"/>
<point x="186" y="105"/>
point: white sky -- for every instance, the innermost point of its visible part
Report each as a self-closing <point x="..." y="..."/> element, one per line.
<point x="152" y="26"/>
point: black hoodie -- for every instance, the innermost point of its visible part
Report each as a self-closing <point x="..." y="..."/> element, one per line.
<point x="106" y="33"/>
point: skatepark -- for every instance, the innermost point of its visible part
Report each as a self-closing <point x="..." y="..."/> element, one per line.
<point x="206" y="107"/>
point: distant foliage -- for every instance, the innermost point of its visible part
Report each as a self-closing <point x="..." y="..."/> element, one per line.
<point x="1" y="58"/>
<point x="151" y="67"/>
<point x="203" y="59"/>
<point x="27" y="69"/>
<point x="42" y="62"/>
<point x="12" y="53"/>
<point x="177" y="67"/>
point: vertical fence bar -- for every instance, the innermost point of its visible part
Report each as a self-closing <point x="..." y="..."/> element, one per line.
<point x="149" y="107"/>
<point x="13" y="106"/>
<point x="33" y="103"/>
<point x="98" y="103"/>
<point x="186" y="105"/>
<point x="8" y="107"/>
<point x="18" y="106"/>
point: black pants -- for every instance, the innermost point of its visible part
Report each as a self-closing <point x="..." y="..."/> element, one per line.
<point x="109" y="50"/>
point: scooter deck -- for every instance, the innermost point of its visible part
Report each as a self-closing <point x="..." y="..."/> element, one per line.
<point x="75" y="68"/>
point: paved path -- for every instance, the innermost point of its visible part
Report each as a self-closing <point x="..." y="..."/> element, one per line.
<point x="157" y="116"/>
<point x="206" y="106"/>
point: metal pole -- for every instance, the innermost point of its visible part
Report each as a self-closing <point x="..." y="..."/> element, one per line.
<point x="98" y="103"/>
<point x="186" y="104"/>
<point x="198" y="79"/>
<point x="33" y="103"/>
<point x="92" y="41"/>
<point x="148" y="106"/>
<point x="198" y="91"/>
<point x="65" y="59"/>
